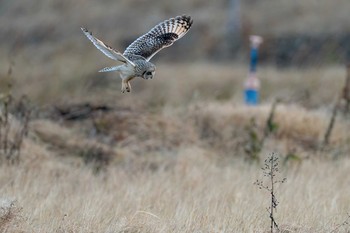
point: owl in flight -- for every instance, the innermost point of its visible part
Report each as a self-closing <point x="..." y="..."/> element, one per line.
<point x="137" y="55"/>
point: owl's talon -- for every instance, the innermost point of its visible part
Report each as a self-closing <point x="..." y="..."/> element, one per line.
<point x="126" y="89"/>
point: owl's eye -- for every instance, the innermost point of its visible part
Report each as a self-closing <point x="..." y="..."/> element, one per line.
<point x="148" y="73"/>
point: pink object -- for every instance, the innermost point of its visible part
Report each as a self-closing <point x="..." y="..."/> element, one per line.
<point x="255" y="40"/>
<point x="252" y="82"/>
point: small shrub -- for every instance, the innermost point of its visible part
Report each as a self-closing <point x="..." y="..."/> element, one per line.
<point x="9" y="213"/>
<point x="14" y="120"/>
<point x="270" y="171"/>
<point x="255" y="139"/>
<point x="95" y="156"/>
<point x="253" y="144"/>
<point x="345" y="223"/>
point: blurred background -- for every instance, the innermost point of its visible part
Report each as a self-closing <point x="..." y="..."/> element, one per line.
<point x="51" y="60"/>
<point x="180" y="152"/>
<point x="302" y="61"/>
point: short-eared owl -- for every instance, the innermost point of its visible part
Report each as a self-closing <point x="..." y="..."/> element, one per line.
<point x="137" y="55"/>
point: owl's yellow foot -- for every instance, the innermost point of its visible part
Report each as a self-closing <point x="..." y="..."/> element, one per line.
<point x="126" y="87"/>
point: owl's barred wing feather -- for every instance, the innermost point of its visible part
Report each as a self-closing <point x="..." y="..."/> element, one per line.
<point x="161" y="36"/>
<point x="106" y="49"/>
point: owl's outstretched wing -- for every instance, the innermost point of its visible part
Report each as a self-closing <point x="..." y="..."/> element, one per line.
<point x="106" y="49"/>
<point x="161" y="36"/>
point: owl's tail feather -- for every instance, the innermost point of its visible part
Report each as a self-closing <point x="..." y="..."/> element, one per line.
<point x="109" y="69"/>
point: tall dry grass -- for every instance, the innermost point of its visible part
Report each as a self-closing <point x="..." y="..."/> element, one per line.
<point x="189" y="191"/>
<point x="199" y="184"/>
<point x="170" y="155"/>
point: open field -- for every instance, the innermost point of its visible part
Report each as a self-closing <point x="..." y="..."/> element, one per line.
<point x="181" y="152"/>
<point x="170" y="157"/>
<point x="186" y="191"/>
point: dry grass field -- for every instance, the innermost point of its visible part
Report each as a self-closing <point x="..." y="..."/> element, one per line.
<point x="189" y="191"/>
<point x="181" y="152"/>
<point x="174" y="161"/>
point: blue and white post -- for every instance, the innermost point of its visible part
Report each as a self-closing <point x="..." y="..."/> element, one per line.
<point x="252" y="84"/>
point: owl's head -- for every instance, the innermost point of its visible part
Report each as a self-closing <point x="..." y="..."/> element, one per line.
<point x="149" y="72"/>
